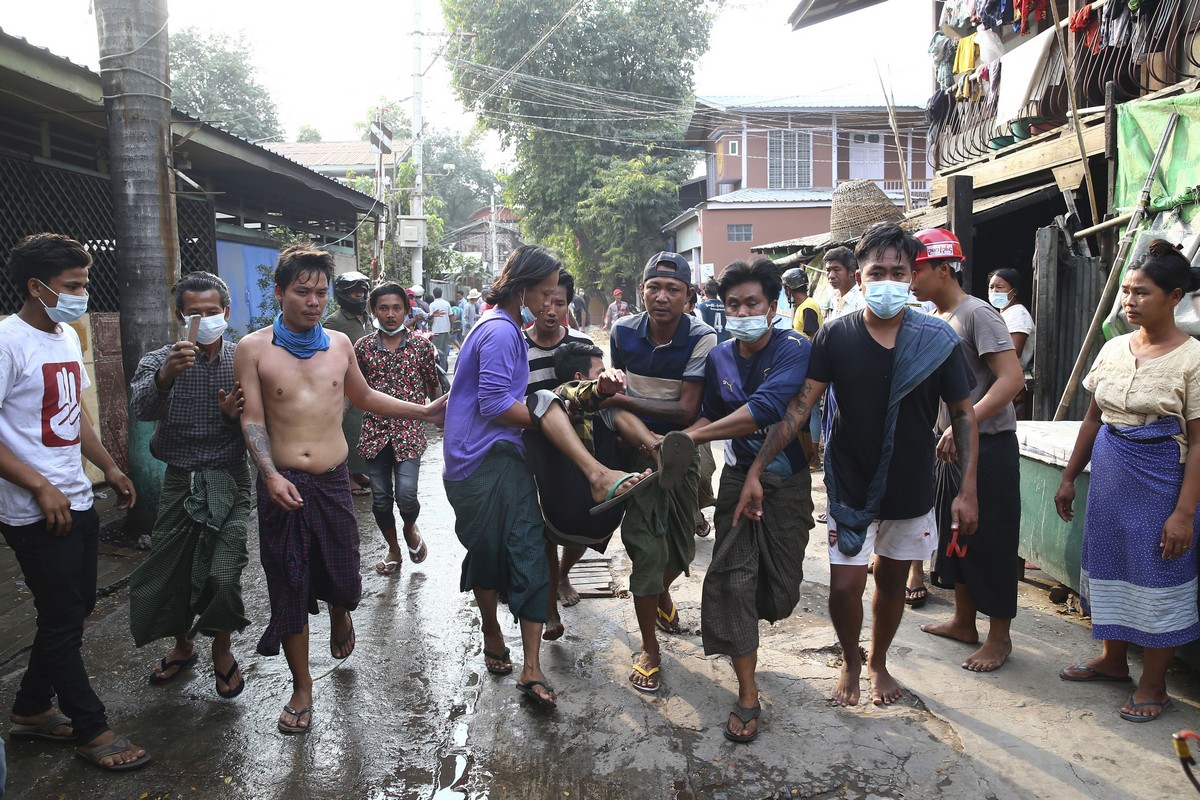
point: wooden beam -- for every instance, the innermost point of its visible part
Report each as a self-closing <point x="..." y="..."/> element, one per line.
<point x="959" y="213"/>
<point x="1007" y="166"/>
<point x="1045" y="288"/>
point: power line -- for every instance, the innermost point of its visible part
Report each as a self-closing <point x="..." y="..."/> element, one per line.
<point x="529" y="53"/>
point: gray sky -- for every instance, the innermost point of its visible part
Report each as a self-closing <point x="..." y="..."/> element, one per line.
<point x="326" y="63"/>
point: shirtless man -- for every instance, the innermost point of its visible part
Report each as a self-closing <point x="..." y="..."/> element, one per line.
<point x="294" y="376"/>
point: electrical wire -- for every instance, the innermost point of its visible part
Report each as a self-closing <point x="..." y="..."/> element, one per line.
<point x="529" y="53"/>
<point x="149" y="39"/>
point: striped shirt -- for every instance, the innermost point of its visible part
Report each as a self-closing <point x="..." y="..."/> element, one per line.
<point x="657" y="372"/>
<point x="541" y="360"/>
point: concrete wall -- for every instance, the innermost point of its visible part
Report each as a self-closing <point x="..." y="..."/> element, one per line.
<point x="770" y="225"/>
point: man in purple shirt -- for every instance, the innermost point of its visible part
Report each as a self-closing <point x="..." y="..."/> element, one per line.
<point x="497" y="517"/>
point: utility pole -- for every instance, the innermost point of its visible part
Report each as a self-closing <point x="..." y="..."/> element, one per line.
<point x="135" y="79"/>
<point x="381" y="144"/>
<point x="418" y="149"/>
<point x="495" y="245"/>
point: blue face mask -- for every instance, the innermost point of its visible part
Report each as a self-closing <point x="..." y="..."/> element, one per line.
<point x="527" y="317"/>
<point x="70" y="307"/>
<point x="747" y="329"/>
<point x="886" y="299"/>
<point x="999" y="299"/>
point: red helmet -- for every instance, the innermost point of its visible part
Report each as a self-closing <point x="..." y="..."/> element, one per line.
<point x="940" y="245"/>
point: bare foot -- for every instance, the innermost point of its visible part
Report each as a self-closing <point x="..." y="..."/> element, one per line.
<point x="125" y="757"/>
<point x="554" y="629"/>
<point x="884" y="688"/>
<point x="847" y="690"/>
<point x="603" y="480"/>
<point x="177" y="654"/>
<point x="64" y="729"/>
<point x="567" y="595"/>
<point x="646" y="672"/>
<point x="296" y="716"/>
<point x="951" y="629"/>
<point x="990" y="657"/>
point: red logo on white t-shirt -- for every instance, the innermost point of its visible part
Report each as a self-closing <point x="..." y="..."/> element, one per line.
<point x="61" y="397"/>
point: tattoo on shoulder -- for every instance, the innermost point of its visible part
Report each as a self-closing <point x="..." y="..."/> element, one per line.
<point x="259" y="445"/>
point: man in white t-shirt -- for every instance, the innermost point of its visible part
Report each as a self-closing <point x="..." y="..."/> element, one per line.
<point x="439" y="325"/>
<point x="46" y="512"/>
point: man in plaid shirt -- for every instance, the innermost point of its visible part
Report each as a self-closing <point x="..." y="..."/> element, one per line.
<point x="191" y="582"/>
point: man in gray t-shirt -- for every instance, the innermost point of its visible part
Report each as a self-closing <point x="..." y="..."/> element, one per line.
<point x="982" y="569"/>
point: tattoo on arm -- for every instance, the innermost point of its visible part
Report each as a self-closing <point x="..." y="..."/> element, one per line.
<point x="259" y="444"/>
<point x="961" y="425"/>
<point x="781" y="434"/>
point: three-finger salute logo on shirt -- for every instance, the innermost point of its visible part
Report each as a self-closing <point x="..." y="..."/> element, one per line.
<point x="61" y="397"/>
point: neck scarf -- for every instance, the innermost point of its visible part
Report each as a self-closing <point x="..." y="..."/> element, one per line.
<point x="922" y="344"/>
<point x="301" y="345"/>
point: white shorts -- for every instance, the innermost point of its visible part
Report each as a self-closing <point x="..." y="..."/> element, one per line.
<point x="898" y="539"/>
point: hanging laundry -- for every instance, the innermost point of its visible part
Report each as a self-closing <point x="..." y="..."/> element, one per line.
<point x="1115" y="23"/>
<point x="966" y="55"/>
<point x="991" y="46"/>
<point x="943" y="49"/>
<point x="1087" y="22"/>
<point x="994" y="13"/>
<point x="1027" y="11"/>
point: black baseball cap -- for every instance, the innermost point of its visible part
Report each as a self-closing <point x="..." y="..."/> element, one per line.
<point x="668" y="265"/>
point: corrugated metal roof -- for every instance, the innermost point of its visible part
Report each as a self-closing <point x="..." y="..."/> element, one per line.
<point x="983" y="209"/>
<point x="774" y="196"/>
<point x="332" y="154"/>
<point x="797" y="102"/>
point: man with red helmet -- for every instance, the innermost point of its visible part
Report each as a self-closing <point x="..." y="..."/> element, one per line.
<point x="982" y="570"/>
<point x="616" y="309"/>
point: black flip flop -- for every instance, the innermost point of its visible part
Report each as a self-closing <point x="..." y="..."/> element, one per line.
<point x="182" y="663"/>
<point x="915" y="598"/>
<point x="505" y="657"/>
<point x="292" y="730"/>
<point x="542" y="702"/>
<point x="676" y="453"/>
<point x="227" y="679"/>
<point x="745" y="715"/>
<point x="348" y="639"/>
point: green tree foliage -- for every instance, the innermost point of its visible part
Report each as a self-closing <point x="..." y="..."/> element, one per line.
<point x="308" y="133"/>
<point x="464" y="189"/>
<point x="212" y="78"/>
<point x="595" y="114"/>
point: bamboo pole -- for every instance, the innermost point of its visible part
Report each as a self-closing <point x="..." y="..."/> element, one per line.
<point x="1076" y="123"/>
<point x="1114" y="275"/>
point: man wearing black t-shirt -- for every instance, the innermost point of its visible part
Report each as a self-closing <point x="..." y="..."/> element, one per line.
<point x="879" y="462"/>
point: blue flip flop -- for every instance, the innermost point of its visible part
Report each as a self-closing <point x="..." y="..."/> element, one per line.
<point x="1163" y="706"/>
<point x="182" y="663"/>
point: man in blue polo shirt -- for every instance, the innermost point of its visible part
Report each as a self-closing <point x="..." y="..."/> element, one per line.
<point x="757" y="566"/>
<point x="663" y="352"/>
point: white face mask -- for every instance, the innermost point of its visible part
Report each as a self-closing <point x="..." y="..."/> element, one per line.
<point x="211" y="328"/>
<point x="393" y="332"/>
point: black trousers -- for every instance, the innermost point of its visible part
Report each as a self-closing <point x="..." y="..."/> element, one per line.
<point x="60" y="571"/>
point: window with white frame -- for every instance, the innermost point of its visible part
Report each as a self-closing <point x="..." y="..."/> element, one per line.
<point x="740" y="233"/>
<point x="789" y="159"/>
<point x="733" y="147"/>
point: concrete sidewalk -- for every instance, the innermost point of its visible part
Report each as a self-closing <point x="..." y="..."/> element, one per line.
<point x="413" y="714"/>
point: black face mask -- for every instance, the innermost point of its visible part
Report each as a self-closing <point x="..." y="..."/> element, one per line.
<point x="353" y="306"/>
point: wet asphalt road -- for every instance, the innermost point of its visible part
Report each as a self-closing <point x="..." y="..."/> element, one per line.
<point x="388" y="722"/>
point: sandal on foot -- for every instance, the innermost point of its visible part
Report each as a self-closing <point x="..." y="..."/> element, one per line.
<point x="419" y="553"/>
<point x="44" y="730"/>
<point x="387" y="567"/>
<point x="676" y="453"/>
<point x="164" y="665"/>
<point x="1162" y="706"/>
<point x="297" y="728"/>
<point x="336" y="645"/>
<point x="613" y="499"/>
<point x="649" y="674"/>
<point x="668" y="623"/>
<point x="121" y="744"/>
<point x="227" y="679"/>
<point x="501" y="657"/>
<point x="542" y="702"/>
<point x="745" y="715"/>
<point x="1092" y="675"/>
<point x="915" y="598"/>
